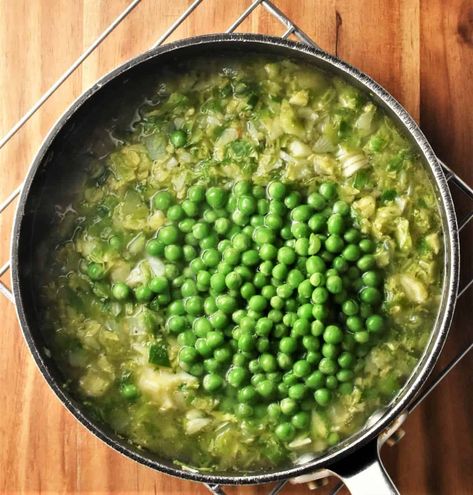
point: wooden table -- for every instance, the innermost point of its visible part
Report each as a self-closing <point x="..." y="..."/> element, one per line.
<point x="420" y="50"/>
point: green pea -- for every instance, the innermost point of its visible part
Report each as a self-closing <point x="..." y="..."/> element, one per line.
<point x="266" y="388"/>
<point x="286" y="232"/>
<point x="143" y="294"/>
<point x="288" y="345"/>
<point x="334" y="284"/>
<point x="352" y="252"/>
<point x="297" y="391"/>
<point x="245" y="273"/>
<point x="247" y="204"/>
<point x="322" y="396"/>
<point x="216" y="197"/>
<point x="317" y="222"/>
<point x="366" y="262"/>
<point x="263" y="206"/>
<point x="320" y="312"/>
<point x="95" y="271"/>
<point x="188" y="288"/>
<point x="320" y="295"/>
<point x="250" y="257"/>
<point x="212" y="382"/>
<point x="211" y="257"/>
<point x="331" y="382"/>
<point x="173" y="252"/>
<point x="346" y="360"/>
<point x="328" y="190"/>
<point x="374" y="323"/>
<point x="178" y="138"/>
<point x="175" y="213"/>
<point x="247" y="394"/>
<point x="280" y="271"/>
<point x="246" y="342"/>
<point x="176" y="324"/>
<point x="330" y="350"/>
<point x="367" y="246"/>
<point x="315" y="264"/>
<point x="345" y="375"/>
<point x="317" y="328"/>
<point x="268" y="252"/>
<point x="315" y="380"/>
<point x="285" y="361"/>
<point x="275" y="315"/>
<point x="316" y="201"/>
<point x="177" y="308"/>
<point x="274" y="411"/>
<point x="311" y="343"/>
<point x="354" y="323"/>
<point x="257" y="303"/>
<point x="301" y="246"/>
<point x="154" y="247"/>
<point x="352" y="235"/>
<point x="211" y="365"/>
<point x="305" y="311"/>
<point x="305" y="289"/>
<point x="226" y="303"/>
<point x="201" y="327"/>
<point x="328" y="366"/>
<point x="301" y="420"/>
<point x="301" y="368"/>
<point x="242" y="187"/>
<point x="301" y="327"/>
<point x="285" y="432"/>
<point x="335" y="224"/>
<point x="286" y="255"/>
<point x="202" y="347"/>
<point x="121" y="291"/>
<point x="263" y="235"/>
<point x="237" y="376"/>
<point x="115" y="242"/>
<point x="276" y="190"/>
<point x="299" y="230"/>
<point x="362" y="337"/>
<point x="273" y="221"/>
<point x="162" y="200"/>
<point x="350" y="307"/>
<point x="288" y="406"/>
<point x="168" y="234"/>
<point x="259" y="192"/>
<point x="188" y="355"/>
<point x="334" y="243"/>
<point x="263" y="326"/>
<point x="371" y="278"/>
<point x="341" y="207"/>
<point x="333" y="334"/>
<point x="370" y="295"/>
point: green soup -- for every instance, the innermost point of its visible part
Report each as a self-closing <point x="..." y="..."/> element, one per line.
<point x="251" y="272"/>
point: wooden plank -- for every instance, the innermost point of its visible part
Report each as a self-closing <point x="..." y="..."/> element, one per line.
<point x="420" y="50"/>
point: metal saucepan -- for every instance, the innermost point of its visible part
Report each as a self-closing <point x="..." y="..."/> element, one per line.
<point x="55" y="175"/>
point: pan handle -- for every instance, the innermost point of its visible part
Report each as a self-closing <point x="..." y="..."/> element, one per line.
<point x="363" y="472"/>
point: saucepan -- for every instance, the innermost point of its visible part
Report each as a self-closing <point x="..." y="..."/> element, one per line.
<point x="54" y="178"/>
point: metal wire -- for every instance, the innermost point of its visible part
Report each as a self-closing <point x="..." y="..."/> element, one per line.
<point x="66" y="74"/>
<point x="243" y="16"/>
<point x="291" y="28"/>
<point x="177" y="22"/>
<point x="439" y="378"/>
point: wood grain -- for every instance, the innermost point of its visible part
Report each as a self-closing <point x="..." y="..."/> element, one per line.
<point x="420" y="50"/>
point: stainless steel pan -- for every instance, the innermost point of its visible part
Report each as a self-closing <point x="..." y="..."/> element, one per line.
<point x="55" y="175"/>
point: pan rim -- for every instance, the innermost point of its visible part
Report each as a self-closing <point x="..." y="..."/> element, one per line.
<point x="451" y="245"/>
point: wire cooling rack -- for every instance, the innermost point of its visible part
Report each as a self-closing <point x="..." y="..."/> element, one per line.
<point x="460" y="190"/>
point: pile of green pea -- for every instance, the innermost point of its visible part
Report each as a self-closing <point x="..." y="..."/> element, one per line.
<point x="273" y="295"/>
